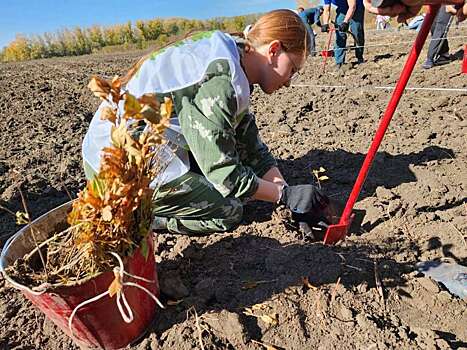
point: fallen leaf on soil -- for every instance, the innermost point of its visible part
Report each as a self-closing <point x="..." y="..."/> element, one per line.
<point x="22" y="218"/>
<point x="254" y="284"/>
<point x="307" y="283"/>
<point x="249" y="312"/>
<point x="270" y="319"/>
<point x="261" y="306"/>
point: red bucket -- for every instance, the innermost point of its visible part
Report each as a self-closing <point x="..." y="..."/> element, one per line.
<point x="98" y="324"/>
<point x="327" y="53"/>
<point x="464" y="61"/>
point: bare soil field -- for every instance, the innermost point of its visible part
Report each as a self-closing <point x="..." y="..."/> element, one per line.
<point x="414" y="197"/>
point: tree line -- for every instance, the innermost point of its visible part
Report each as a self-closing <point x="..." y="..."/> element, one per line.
<point x="141" y="34"/>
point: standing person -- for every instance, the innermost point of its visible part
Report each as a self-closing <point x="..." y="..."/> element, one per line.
<point x="349" y="14"/>
<point x="438" y="50"/>
<point x="309" y="17"/>
<point x="220" y="161"/>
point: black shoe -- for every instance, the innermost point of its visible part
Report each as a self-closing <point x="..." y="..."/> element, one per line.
<point x="442" y="60"/>
<point x="360" y="61"/>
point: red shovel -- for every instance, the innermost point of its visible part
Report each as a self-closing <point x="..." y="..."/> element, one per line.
<point x="335" y="233"/>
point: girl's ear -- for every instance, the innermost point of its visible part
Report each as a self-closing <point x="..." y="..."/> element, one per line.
<point x="275" y="48"/>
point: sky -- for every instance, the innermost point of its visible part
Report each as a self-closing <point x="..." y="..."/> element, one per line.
<point x="29" y="17"/>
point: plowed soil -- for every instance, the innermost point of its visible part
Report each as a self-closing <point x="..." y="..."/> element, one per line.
<point x="414" y="197"/>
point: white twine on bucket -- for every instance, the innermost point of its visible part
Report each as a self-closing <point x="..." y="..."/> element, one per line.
<point x="127" y="313"/>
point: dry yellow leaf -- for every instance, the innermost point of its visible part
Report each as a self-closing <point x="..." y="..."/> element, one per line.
<point x="109" y="114"/>
<point x="249" y="312"/>
<point x="107" y="213"/>
<point x="150" y="100"/>
<point x="261" y="306"/>
<point x="99" y="87"/>
<point x="115" y="91"/>
<point x="270" y="319"/>
<point x="131" y="106"/>
<point x="118" y="135"/>
<point x="166" y="108"/>
<point x="150" y="114"/>
<point x="307" y="283"/>
<point x="115" y="286"/>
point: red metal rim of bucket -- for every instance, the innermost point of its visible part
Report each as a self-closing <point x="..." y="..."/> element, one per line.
<point x="98" y="324"/>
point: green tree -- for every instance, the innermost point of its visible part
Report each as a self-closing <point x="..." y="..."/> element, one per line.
<point x="127" y="34"/>
<point x="38" y="47"/>
<point x="82" y="44"/>
<point x="96" y="37"/>
<point x="154" y="29"/>
<point x="143" y="30"/>
<point x="171" y="27"/>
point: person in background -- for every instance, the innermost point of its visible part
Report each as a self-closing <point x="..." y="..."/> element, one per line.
<point x="349" y="15"/>
<point x="216" y="158"/>
<point x="382" y="22"/>
<point x="416" y="22"/>
<point x="309" y="17"/>
<point x="406" y="9"/>
<point x="438" y="50"/>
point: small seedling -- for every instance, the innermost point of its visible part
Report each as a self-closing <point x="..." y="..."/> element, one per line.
<point x="317" y="174"/>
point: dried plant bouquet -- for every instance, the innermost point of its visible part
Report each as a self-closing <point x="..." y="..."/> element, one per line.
<point x="113" y="213"/>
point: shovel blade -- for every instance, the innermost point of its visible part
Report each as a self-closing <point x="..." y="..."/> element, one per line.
<point x="335" y="233"/>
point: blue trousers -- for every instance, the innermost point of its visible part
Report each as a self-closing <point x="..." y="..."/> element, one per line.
<point x="356" y="27"/>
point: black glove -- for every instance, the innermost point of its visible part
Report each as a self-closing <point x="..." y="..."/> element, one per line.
<point x="343" y="27"/>
<point x="313" y="225"/>
<point x="311" y="229"/>
<point x="325" y="28"/>
<point x="303" y="198"/>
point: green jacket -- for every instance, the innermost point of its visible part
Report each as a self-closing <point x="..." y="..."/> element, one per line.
<point x="204" y="77"/>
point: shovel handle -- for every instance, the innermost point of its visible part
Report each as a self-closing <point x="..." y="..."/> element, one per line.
<point x="390" y="109"/>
